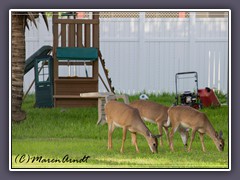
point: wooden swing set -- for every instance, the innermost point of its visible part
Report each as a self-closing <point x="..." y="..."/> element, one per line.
<point x="76" y="43"/>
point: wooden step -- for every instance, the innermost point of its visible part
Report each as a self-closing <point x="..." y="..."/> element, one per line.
<point x="66" y="96"/>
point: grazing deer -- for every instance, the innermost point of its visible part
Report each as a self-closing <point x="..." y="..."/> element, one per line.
<point x="157" y="113"/>
<point x="122" y="115"/>
<point x="188" y="117"/>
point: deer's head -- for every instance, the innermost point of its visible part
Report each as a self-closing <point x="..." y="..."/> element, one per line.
<point x="153" y="142"/>
<point x="220" y="141"/>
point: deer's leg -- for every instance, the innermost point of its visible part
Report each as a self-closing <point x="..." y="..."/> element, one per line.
<point x="167" y="133"/>
<point x="184" y="135"/>
<point x="171" y="139"/>
<point x="134" y="141"/>
<point x="160" y="132"/>
<point x="123" y="139"/>
<point x="110" y="131"/>
<point x="173" y="130"/>
<point x="202" y="141"/>
<point x="192" y="138"/>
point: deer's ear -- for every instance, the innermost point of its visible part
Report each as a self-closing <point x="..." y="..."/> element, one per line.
<point x="158" y="136"/>
<point x="220" y="134"/>
<point x="149" y="134"/>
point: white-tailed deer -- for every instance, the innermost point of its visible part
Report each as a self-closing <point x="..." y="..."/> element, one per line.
<point x="122" y="115"/>
<point x="188" y="117"/>
<point x="157" y="113"/>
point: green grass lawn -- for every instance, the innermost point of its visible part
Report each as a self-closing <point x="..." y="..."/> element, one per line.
<point x="55" y="133"/>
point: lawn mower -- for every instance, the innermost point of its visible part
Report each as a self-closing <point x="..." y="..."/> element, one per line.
<point x="189" y="98"/>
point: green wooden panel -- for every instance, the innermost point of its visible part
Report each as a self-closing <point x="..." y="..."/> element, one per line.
<point x="75" y="53"/>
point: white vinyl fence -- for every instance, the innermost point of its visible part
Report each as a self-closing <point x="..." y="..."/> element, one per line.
<point x="144" y="54"/>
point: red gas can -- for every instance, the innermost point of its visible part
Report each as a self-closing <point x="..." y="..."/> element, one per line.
<point x="208" y="97"/>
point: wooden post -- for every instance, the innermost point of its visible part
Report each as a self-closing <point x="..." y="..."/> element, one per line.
<point x="95" y="43"/>
<point x="71" y="35"/>
<point x="55" y="45"/>
<point x="63" y="35"/>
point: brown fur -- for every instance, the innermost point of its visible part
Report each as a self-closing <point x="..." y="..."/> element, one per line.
<point x="128" y="118"/>
<point x="157" y="113"/>
<point x="187" y="117"/>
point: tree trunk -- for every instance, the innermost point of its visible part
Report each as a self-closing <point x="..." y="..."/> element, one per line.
<point x="18" y="64"/>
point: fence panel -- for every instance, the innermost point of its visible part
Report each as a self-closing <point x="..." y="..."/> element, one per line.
<point x="144" y="53"/>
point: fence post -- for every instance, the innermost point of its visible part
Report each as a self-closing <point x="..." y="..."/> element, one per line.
<point x="141" y="50"/>
<point x="192" y="36"/>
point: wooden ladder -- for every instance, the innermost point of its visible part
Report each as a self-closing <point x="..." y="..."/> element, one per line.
<point x="106" y="74"/>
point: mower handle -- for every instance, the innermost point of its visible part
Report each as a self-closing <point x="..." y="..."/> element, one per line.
<point x="182" y="73"/>
<point x="190" y="72"/>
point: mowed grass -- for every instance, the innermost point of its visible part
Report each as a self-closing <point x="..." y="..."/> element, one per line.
<point x="56" y="132"/>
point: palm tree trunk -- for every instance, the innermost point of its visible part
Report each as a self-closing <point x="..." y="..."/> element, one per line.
<point x="18" y="64"/>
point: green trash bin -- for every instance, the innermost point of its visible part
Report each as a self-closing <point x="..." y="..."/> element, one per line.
<point x="44" y="81"/>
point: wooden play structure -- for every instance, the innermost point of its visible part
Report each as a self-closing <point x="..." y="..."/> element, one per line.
<point x="76" y="46"/>
<point x="75" y="49"/>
